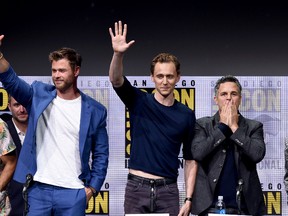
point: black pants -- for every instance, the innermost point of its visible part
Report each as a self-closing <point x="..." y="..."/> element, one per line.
<point x="144" y="195"/>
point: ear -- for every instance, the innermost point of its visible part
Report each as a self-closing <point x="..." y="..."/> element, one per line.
<point x="152" y="78"/>
<point x="77" y="71"/>
<point x="178" y="78"/>
<point x="215" y="99"/>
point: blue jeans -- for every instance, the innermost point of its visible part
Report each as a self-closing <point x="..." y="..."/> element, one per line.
<point x="143" y="197"/>
<point x="47" y="200"/>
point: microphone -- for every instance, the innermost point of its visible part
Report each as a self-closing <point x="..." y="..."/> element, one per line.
<point x="238" y="194"/>
<point x="239" y="188"/>
<point x="29" y="179"/>
<point x="240" y="183"/>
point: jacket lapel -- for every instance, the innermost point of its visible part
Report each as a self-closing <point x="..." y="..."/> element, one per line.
<point x="85" y="121"/>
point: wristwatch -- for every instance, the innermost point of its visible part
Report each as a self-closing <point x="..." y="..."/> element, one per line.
<point x="188" y="199"/>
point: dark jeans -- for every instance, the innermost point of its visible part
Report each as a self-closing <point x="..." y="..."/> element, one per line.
<point x="149" y="196"/>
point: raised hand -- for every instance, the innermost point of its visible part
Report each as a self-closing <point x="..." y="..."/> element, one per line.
<point x="118" y="39"/>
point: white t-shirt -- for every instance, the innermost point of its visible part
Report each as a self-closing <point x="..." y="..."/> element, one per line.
<point x="57" y="140"/>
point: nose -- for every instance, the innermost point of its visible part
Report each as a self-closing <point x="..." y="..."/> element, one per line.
<point x="165" y="80"/>
<point x="22" y="109"/>
<point x="229" y="97"/>
<point x="57" y="73"/>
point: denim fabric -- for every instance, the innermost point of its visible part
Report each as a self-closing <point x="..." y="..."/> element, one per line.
<point x="139" y="198"/>
<point x="43" y="199"/>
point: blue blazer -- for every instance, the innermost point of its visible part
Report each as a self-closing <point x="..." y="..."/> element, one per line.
<point x="93" y="137"/>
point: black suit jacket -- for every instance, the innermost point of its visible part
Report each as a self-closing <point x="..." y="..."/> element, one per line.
<point x="14" y="188"/>
<point x="207" y="149"/>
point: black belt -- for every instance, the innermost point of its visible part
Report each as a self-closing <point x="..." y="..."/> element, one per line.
<point x="153" y="182"/>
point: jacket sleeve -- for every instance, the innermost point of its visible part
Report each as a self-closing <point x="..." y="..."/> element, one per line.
<point x="17" y="87"/>
<point x="250" y="140"/>
<point x="207" y="137"/>
<point x="100" y="153"/>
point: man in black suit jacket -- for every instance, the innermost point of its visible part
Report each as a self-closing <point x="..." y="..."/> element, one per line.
<point x="17" y="124"/>
<point x="227" y="147"/>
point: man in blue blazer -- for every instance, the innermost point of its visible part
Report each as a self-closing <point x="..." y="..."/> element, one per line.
<point x="66" y="145"/>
